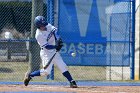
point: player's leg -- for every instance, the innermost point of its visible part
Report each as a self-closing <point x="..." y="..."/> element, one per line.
<point x="27" y="78"/>
<point x="70" y="79"/>
<point x="64" y="70"/>
<point x="42" y="72"/>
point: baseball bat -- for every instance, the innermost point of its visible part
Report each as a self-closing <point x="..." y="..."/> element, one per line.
<point x="50" y="60"/>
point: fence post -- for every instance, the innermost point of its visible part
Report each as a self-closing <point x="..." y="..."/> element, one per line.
<point x="34" y="57"/>
<point x="8" y="49"/>
<point x="50" y="19"/>
<point x="132" y="64"/>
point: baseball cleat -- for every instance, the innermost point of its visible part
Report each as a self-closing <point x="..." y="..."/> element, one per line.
<point x="73" y="84"/>
<point x="27" y="79"/>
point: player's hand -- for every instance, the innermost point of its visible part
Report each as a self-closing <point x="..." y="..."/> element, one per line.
<point x="59" y="44"/>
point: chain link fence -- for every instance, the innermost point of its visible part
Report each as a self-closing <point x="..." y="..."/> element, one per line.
<point x="15" y="31"/>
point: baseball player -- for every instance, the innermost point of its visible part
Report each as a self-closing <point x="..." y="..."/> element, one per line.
<point x="50" y="42"/>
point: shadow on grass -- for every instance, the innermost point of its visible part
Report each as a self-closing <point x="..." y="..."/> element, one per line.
<point x="5" y="70"/>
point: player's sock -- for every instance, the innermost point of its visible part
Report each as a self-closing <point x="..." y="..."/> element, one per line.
<point x="35" y="73"/>
<point x="68" y="76"/>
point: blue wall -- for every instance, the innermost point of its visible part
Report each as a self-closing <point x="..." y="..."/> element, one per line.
<point x="97" y="30"/>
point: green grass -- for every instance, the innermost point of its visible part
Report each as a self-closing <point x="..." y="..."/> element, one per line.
<point x="14" y="71"/>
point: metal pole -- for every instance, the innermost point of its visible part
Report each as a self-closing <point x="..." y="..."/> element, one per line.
<point x="133" y="40"/>
<point x="34" y="57"/>
<point x="50" y="19"/>
<point x="139" y="35"/>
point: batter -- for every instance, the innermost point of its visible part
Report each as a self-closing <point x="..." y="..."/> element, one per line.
<point x="50" y="42"/>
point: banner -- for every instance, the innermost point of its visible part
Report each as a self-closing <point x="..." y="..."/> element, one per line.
<point x="96" y="30"/>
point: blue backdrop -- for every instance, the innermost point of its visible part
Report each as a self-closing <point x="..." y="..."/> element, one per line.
<point x="98" y="31"/>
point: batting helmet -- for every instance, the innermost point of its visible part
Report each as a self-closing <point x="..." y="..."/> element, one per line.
<point x="40" y="21"/>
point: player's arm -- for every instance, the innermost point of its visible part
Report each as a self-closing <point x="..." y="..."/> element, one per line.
<point x="58" y="45"/>
<point x="44" y="44"/>
<point x="55" y="31"/>
<point x="59" y="42"/>
<point x="47" y="46"/>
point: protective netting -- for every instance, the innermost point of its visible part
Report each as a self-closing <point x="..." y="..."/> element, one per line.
<point x="99" y="32"/>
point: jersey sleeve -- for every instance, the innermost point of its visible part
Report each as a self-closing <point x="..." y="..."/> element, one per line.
<point x="55" y="31"/>
<point x="42" y="41"/>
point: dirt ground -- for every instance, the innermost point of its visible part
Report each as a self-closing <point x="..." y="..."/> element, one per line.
<point x="80" y="89"/>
